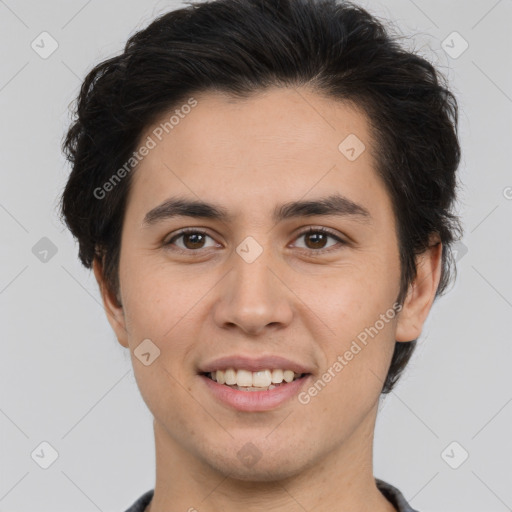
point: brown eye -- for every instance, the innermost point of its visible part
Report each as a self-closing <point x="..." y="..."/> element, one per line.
<point x="317" y="238"/>
<point x="192" y="240"/>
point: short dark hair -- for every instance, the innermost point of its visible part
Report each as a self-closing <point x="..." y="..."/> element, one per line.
<point x="241" y="47"/>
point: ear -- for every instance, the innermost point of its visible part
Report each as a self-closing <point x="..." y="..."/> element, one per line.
<point x="421" y="293"/>
<point x="113" y="308"/>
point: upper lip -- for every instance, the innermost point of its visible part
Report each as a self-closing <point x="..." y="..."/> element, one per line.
<point x="240" y="362"/>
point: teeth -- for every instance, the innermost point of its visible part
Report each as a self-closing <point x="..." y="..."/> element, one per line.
<point x="277" y="376"/>
<point x="248" y="379"/>
<point x="220" y="377"/>
<point x="261" y="379"/>
<point x="243" y="378"/>
<point x="288" y="375"/>
<point x="253" y="388"/>
<point x="230" y="377"/>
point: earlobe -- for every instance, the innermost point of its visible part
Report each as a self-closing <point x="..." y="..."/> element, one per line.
<point x="421" y="294"/>
<point x="112" y="305"/>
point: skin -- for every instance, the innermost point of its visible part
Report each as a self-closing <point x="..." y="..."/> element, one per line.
<point x="249" y="156"/>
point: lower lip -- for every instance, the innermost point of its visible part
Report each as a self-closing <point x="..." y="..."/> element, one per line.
<point x="252" y="401"/>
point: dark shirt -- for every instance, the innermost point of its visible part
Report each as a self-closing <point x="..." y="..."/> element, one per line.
<point x="392" y="494"/>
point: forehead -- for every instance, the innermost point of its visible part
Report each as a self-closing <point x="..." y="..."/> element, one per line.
<point x="284" y="122"/>
<point x="280" y="143"/>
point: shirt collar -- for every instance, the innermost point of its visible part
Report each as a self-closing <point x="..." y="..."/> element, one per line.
<point x="394" y="496"/>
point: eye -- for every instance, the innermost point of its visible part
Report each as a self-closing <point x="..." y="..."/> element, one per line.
<point x="193" y="239"/>
<point x="316" y="239"/>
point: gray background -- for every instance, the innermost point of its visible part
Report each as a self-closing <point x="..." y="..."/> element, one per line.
<point x="66" y="381"/>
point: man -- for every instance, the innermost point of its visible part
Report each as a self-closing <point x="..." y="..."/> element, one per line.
<point x="264" y="189"/>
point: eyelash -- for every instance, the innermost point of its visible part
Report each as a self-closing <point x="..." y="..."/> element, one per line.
<point x="310" y="230"/>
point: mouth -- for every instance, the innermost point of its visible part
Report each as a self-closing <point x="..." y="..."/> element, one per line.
<point x="233" y="388"/>
<point x="245" y="380"/>
<point x="254" y="384"/>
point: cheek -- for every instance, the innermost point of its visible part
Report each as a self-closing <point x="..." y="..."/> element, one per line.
<point x="357" y="306"/>
<point x="353" y="297"/>
<point x="158" y="296"/>
<point x="159" y="307"/>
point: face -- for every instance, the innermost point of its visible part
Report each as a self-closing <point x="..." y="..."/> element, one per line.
<point x="263" y="282"/>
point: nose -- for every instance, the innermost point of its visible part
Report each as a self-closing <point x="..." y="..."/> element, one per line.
<point x="252" y="296"/>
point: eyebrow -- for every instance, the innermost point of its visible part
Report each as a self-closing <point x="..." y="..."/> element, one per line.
<point x="333" y="205"/>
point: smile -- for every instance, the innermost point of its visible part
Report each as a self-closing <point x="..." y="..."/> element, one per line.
<point x="245" y="380"/>
<point x="254" y="398"/>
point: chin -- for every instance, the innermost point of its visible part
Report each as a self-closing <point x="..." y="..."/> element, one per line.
<point x="250" y="464"/>
<point x="260" y="472"/>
